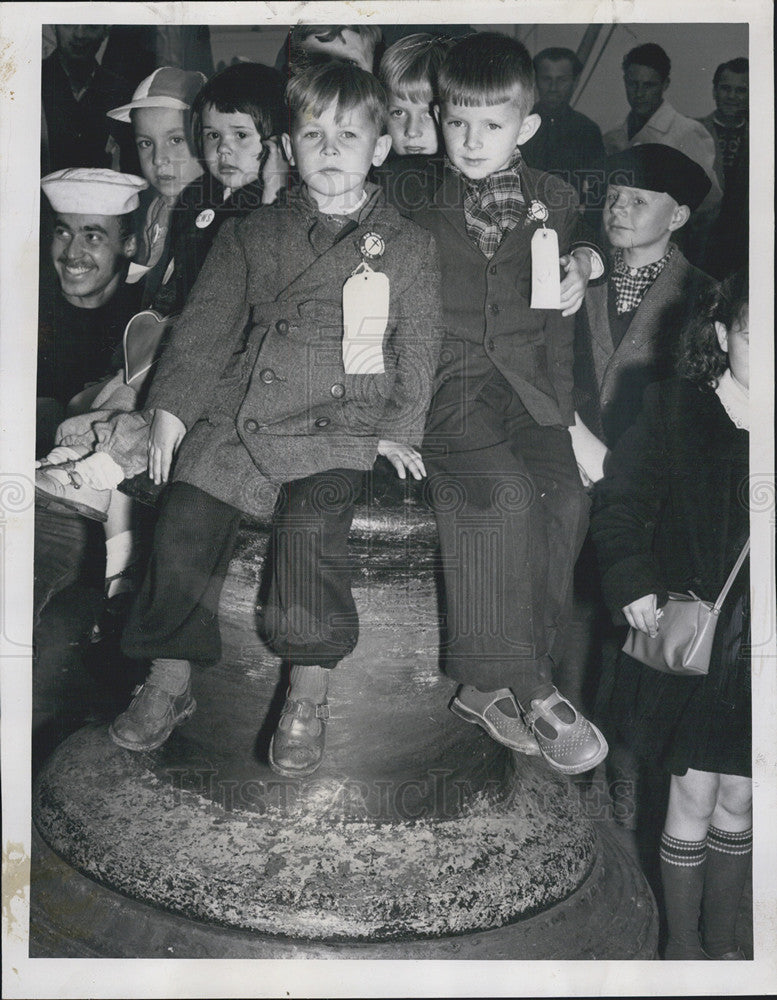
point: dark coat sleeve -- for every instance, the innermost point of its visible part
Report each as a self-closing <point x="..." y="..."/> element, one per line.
<point x="627" y="506"/>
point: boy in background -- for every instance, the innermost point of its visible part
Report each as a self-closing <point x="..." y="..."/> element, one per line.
<point x="510" y="507"/>
<point x="414" y="168"/>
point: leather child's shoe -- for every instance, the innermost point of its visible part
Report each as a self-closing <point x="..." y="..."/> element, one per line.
<point x="482" y="708"/>
<point x="51" y="491"/>
<point x="297" y="745"/>
<point x="576" y="746"/>
<point x="151" y="717"/>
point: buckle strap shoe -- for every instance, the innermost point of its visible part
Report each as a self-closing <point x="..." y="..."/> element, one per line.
<point x="75" y="495"/>
<point x="297" y="745"/>
<point x="152" y="715"/>
<point x="576" y="746"/>
<point x="482" y="709"/>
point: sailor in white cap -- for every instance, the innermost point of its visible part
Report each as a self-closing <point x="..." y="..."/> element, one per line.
<point x="85" y="303"/>
<point x="94" y="233"/>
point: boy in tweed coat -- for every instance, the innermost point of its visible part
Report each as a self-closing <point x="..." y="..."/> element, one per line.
<point x="254" y="389"/>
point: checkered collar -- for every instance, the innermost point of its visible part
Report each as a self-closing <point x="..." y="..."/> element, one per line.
<point x="631" y="283"/>
<point x="493" y="205"/>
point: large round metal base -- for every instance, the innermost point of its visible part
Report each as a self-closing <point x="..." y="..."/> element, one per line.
<point x="610" y="916"/>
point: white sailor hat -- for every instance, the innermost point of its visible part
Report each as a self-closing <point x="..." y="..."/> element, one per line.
<point x="93" y="191"/>
<point x="167" y="87"/>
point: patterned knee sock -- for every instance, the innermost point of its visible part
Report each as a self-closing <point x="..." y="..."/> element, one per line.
<point x="682" y="875"/>
<point x="728" y="865"/>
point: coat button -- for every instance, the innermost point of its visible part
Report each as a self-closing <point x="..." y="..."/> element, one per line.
<point x="492" y="269"/>
<point x="491" y="344"/>
<point x="322" y="422"/>
<point x="252" y="426"/>
<point x="282" y="327"/>
<point x="338" y="390"/>
<point x="494" y="309"/>
<point x="267" y="375"/>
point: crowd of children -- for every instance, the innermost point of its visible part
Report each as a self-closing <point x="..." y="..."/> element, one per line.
<point x="363" y="266"/>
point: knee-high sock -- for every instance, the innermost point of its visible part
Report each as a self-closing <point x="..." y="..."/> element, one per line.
<point x="728" y="864"/>
<point x="682" y="874"/>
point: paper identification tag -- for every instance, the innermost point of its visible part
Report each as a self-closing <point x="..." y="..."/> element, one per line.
<point x="365" y="315"/>
<point x="545" y="270"/>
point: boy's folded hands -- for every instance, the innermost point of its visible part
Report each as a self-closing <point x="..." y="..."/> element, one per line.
<point x="402" y="457"/>
<point x="167" y="432"/>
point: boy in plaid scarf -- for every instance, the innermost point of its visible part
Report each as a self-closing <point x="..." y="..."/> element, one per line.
<point x="627" y="331"/>
<point x="510" y="507"/>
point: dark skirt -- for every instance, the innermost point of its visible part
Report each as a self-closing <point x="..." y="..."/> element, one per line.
<point x="703" y="723"/>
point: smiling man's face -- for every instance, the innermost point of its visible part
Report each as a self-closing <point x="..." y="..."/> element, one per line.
<point x="88" y="253"/>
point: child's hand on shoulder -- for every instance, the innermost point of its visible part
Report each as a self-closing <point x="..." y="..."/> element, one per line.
<point x="167" y="432"/>
<point x="575" y="282"/>
<point x="403" y="457"/>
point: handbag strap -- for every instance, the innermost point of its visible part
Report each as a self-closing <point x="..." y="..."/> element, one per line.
<point x="732" y="576"/>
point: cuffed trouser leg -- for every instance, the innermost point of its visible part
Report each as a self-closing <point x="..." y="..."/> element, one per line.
<point x="175" y="614"/>
<point x="310" y="616"/>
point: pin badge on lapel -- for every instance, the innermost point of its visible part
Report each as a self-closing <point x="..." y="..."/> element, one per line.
<point x="205" y="218"/>
<point x="372" y="246"/>
<point x="537" y="212"/>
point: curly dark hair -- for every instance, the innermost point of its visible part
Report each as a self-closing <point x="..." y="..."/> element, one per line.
<point x="701" y="358"/>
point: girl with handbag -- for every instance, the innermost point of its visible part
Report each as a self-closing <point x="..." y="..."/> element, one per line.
<point x="672" y="515"/>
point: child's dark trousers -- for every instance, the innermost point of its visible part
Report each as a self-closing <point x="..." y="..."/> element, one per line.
<point x="512" y="515"/>
<point x="309" y="616"/>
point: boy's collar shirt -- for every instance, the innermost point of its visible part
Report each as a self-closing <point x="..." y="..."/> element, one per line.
<point x="493" y="205"/>
<point x="299" y="197"/>
<point x="631" y="283"/>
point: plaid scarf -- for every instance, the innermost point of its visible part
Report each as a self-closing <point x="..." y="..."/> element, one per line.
<point x="631" y="283"/>
<point x="494" y="206"/>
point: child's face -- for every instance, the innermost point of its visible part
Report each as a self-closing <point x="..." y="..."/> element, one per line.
<point x="481" y="140"/>
<point x="348" y="45"/>
<point x="411" y="126"/>
<point x="635" y="219"/>
<point x="232" y="146"/>
<point x="166" y="160"/>
<point x="88" y="252"/>
<point x="333" y="154"/>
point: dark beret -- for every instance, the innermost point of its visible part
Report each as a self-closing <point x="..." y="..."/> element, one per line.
<point x="655" y="167"/>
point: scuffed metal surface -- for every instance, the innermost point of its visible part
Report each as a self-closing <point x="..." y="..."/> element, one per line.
<point x="299" y="874"/>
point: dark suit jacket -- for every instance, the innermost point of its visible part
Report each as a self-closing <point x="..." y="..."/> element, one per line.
<point x="610" y="382"/>
<point x="488" y="319"/>
<point x="78" y="130"/>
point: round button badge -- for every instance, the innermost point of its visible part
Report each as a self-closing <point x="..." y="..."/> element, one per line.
<point x="372" y="245"/>
<point x="205" y="218"/>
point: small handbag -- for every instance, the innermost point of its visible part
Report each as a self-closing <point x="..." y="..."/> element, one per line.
<point x="686" y="629"/>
